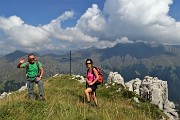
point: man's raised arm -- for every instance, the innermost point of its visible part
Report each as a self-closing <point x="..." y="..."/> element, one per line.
<point x="20" y="63"/>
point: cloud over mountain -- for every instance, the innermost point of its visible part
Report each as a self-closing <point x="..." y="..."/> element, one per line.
<point x="119" y="21"/>
<point x="141" y="20"/>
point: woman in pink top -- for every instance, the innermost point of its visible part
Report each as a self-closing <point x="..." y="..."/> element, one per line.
<point x="91" y="79"/>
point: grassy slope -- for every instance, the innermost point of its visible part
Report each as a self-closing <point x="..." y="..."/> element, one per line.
<point x="65" y="101"/>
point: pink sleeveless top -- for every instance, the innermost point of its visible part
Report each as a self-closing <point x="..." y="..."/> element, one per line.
<point x="90" y="76"/>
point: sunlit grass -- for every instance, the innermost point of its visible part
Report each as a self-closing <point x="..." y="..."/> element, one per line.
<point x="65" y="101"/>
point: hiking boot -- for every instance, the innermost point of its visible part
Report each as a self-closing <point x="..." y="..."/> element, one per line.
<point x="95" y="106"/>
<point x="89" y="103"/>
<point x="31" y="97"/>
<point x="41" y="97"/>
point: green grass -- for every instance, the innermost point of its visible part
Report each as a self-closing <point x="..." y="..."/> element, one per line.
<point x="65" y="101"/>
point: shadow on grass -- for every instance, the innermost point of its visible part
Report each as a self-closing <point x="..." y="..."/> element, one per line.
<point x="81" y="99"/>
<point x="35" y="97"/>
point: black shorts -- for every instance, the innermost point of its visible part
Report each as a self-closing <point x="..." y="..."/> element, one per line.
<point x="93" y="87"/>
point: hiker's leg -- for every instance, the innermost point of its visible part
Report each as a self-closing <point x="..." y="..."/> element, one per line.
<point x="94" y="98"/>
<point x="30" y="86"/>
<point x="87" y="91"/>
<point x="40" y="88"/>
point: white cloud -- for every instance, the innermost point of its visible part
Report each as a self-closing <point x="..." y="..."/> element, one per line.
<point x="92" y="21"/>
<point x="73" y="34"/>
<point x="120" y="21"/>
<point x="50" y="36"/>
<point x="8" y="23"/>
<point x="20" y="34"/>
<point x="141" y="19"/>
<point x="107" y="43"/>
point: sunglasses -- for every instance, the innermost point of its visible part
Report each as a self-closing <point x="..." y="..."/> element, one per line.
<point x="32" y="59"/>
<point x="88" y="63"/>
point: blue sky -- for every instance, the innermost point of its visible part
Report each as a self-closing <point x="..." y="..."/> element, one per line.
<point x="175" y="10"/>
<point x="37" y="25"/>
<point x="37" y="12"/>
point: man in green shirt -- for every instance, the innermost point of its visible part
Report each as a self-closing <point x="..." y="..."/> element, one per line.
<point x="34" y="73"/>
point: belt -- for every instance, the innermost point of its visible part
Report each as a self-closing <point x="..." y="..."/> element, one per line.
<point x="31" y="77"/>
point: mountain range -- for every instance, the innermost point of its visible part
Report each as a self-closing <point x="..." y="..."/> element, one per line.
<point x="131" y="60"/>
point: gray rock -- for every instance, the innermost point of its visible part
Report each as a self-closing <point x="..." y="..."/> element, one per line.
<point x="3" y="95"/>
<point x="23" y="88"/>
<point x="156" y="90"/>
<point x="115" y="78"/>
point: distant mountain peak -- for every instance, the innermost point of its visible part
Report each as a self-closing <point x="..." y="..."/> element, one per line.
<point x="138" y="50"/>
<point x="15" y="55"/>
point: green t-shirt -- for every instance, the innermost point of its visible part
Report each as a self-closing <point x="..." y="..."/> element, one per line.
<point x="32" y="70"/>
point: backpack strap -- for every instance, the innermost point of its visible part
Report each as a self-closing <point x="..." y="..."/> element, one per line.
<point x="37" y="64"/>
<point x="27" y="66"/>
<point x="87" y="72"/>
<point x="93" y="70"/>
<point x="39" y="71"/>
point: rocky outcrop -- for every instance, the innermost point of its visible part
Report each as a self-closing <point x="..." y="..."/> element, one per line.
<point x="5" y="94"/>
<point x="115" y="78"/>
<point x="150" y="88"/>
<point x="81" y="79"/>
<point x="155" y="90"/>
<point x="23" y="88"/>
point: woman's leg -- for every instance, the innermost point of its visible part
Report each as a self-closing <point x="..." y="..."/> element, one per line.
<point x="87" y="91"/>
<point x="94" y="98"/>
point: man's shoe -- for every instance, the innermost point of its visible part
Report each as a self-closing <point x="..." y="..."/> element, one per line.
<point x="31" y="97"/>
<point x="41" y="97"/>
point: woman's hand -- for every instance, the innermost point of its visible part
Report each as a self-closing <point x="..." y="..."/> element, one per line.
<point x="90" y="83"/>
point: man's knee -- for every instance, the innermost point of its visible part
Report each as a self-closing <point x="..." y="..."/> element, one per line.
<point x="40" y="82"/>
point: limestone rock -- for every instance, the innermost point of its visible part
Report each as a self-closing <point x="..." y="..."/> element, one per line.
<point x="22" y="88"/>
<point x="3" y="95"/>
<point x="155" y="90"/>
<point x="115" y="78"/>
